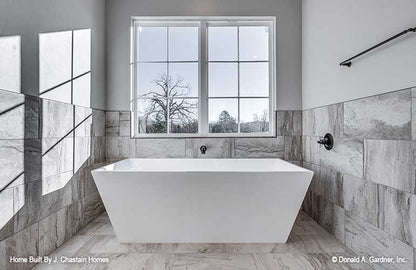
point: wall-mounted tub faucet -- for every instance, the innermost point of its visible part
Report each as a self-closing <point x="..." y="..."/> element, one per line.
<point x="327" y="141"/>
<point x="203" y="149"/>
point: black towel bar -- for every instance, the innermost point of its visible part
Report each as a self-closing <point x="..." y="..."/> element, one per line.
<point x="347" y="63"/>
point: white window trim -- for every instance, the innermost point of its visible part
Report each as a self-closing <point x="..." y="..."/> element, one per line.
<point x="203" y="23"/>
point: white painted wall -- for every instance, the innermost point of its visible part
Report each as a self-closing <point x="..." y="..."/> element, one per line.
<point x="334" y="30"/>
<point x="288" y="39"/>
<point x="29" y="18"/>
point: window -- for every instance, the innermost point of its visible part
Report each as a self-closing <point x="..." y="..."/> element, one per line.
<point x="203" y="77"/>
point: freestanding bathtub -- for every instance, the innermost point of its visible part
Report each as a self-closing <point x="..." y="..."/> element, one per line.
<point x="202" y="200"/>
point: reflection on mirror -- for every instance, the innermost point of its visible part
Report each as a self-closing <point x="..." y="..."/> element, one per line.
<point x="65" y="66"/>
<point x="10" y="63"/>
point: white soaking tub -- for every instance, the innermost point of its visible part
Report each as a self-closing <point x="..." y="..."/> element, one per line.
<point x="202" y="200"/>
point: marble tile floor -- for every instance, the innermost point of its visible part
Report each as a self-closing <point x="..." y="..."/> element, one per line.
<point x="309" y="247"/>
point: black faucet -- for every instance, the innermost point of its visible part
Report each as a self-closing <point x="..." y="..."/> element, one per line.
<point x="327" y="141"/>
<point x="203" y="149"/>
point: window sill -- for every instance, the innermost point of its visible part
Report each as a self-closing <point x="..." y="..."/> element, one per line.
<point x="200" y="136"/>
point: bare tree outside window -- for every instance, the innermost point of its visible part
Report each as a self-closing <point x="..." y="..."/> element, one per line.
<point x="169" y="103"/>
<point x="172" y="103"/>
<point x="260" y="124"/>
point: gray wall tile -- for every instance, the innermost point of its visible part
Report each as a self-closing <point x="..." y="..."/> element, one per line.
<point x="311" y="150"/>
<point x="391" y="163"/>
<point x="55" y="182"/>
<point x="366" y="239"/>
<point x="307" y="203"/>
<point x="75" y="186"/>
<point x="307" y="127"/>
<point x="32" y="117"/>
<point x="98" y="149"/>
<point x="29" y="207"/>
<point x="112" y="150"/>
<point x="7" y="230"/>
<point x="33" y="160"/>
<point x="414" y="116"/>
<point x="346" y="156"/>
<point x="88" y="184"/>
<point x="260" y="147"/>
<point x="9" y="100"/>
<point x="315" y="185"/>
<point x="112" y="124"/>
<point x="98" y="123"/>
<point x="20" y="162"/>
<point x="289" y="123"/>
<point x="331" y="183"/>
<point x="160" y="148"/>
<point x="73" y="219"/>
<point x="378" y="219"/>
<point x="11" y="161"/>
<point x="93" y="207"/>
<point x="332" y="218"/>
<point x="380" y="117"/>
<point x="361" y="198"/>
<point x="22" y="244"/>
<point x="328" y="215"/>
<point x="120" y="147"/>
<point x="328" y="119"/>
<point x="52" y="232"/>
<point x="82" y="152"/>
<point x="51" y="203"/>
<point x="293" y="148"/>
<point x="216" y="148"/>
<point x="125" y="124"/>
<point x="12" y="115"/>
<point x="127" y="147"/>
<point x="400" y="215"/>
<point x="19" y="116"/>
<point x="57" y="156"/>
<point x="44" y="186"/>
<point x="6" y="206"/>
<point x="83" y="122"/>
<point x="51" y="112"/>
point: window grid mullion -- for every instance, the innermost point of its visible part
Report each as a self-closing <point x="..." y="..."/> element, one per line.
<point x="238" y="81"/>
<point x="164" y="62"/>
<point x="167" y="84"/>
<point x="203" y="97"/>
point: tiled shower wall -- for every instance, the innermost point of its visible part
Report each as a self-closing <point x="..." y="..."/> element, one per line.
<point x="47" y="194"/>
<point x="287" y="145"/>
<point x="364" y="189"/>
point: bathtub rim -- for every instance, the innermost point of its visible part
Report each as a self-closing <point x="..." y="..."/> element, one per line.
<point x="110" y="167"/>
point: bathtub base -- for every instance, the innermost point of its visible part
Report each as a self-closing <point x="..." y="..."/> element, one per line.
<point x="202" y="207"/>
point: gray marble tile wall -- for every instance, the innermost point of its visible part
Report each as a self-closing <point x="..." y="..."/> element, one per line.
<point x="287" y="145"/>
<point x="364" y="190"/>
<point x="47" y="194"/>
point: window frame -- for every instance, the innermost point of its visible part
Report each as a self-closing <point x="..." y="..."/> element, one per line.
<point x="203" y="62"/>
